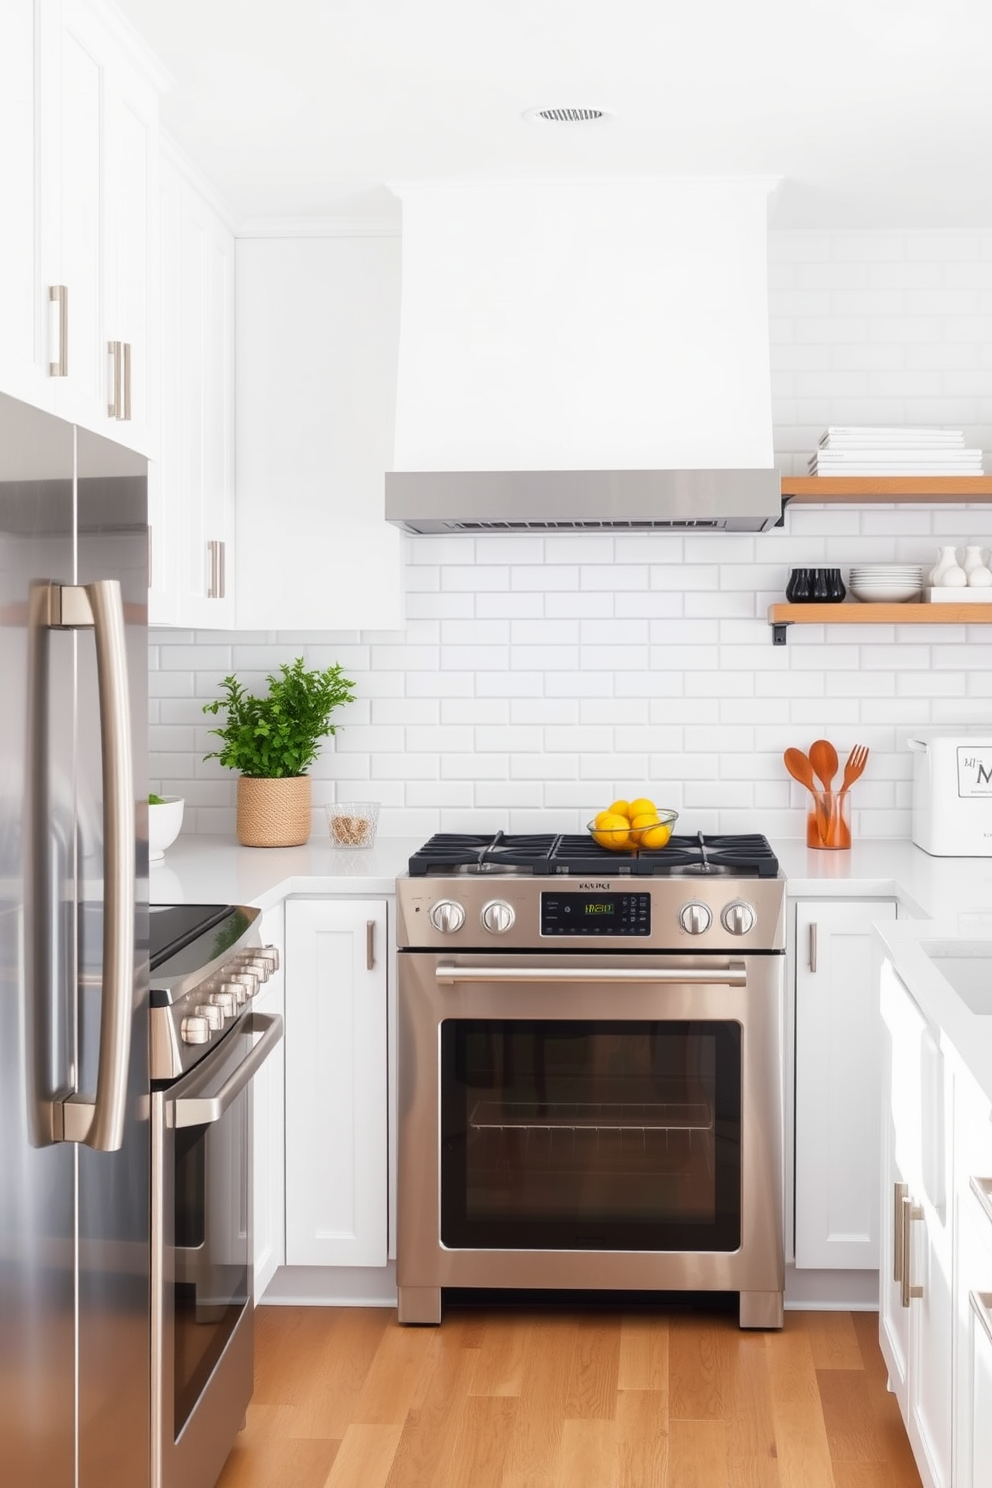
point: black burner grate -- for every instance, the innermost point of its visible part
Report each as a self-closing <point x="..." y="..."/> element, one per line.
<point x="747" y="856"/>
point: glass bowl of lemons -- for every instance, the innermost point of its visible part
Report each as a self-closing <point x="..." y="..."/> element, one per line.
<point x="629" y="826"/>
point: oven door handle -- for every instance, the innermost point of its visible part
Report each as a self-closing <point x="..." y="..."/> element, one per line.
<point x="204" y="1110"/>
<point x="733" y="975"/>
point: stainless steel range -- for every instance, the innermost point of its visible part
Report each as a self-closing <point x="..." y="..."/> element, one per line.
<point x="207" y="963"/>
<point x="591" y="1069"/>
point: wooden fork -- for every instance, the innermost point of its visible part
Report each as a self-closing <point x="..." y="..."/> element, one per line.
<point x="856" y="761"/>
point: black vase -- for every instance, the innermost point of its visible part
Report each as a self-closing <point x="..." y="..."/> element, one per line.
<point x="835" y="586"/>
<point x="819" y="588"/>
<point x="797" y="590"/>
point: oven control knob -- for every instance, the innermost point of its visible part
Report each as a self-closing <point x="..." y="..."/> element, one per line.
<point x="248" y="979"/>
<point x="498" y="917"/>
<point x="224" y="1001"/>
<point x="738" y="917"/>
<point x="695" y="918"/>
<point x="213" y="1014"/>
<point x="194" y="1030"/>
<point x="236" y="990"/>
<point x="447" y="916"/>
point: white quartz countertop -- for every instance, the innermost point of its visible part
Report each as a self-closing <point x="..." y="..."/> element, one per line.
<point x="939" y="898"/>
<point x="212" y="870"/>
<point x="208" y="870"/>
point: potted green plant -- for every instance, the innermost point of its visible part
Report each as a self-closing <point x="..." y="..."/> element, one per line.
<point x="272" y="741"/>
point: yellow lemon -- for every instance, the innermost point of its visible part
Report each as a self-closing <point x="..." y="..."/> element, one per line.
<point x="642" y="806"/>
<point x="656" y="836"/>
<point x="639" y="823"/>
<point x="621" y="808"/>
<point x="612" y="830"/>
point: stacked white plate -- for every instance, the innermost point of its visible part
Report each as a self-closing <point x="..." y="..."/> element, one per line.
<point x="886" y="583"/>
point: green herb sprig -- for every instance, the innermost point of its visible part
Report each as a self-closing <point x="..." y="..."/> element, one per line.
<point x="280" y="734"/>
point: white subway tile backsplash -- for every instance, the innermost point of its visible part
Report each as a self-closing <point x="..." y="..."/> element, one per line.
<point x="540" y="675"/>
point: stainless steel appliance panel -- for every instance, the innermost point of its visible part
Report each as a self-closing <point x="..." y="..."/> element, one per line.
<point x="37" y="1178"/>
<point x="590" y="988"/>
<point x="74" y="1332"/>
<point x="202" y="1295"/>
<point x="114" y="1266"/>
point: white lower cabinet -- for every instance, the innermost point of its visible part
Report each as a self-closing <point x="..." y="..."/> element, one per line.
<point x="973" y="1283"/>
<point x="916" y="1314"/>
<point x="269" y="1160"/>
<point x="336" y="1082"/>
<point x="837" y="1084"/>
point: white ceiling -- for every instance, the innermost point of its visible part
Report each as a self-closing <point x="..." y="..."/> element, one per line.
<point x="876" y="113"/>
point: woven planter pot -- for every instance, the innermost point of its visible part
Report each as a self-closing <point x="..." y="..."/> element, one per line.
<point x="273" y="813"/>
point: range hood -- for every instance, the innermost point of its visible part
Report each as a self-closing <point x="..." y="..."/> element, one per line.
<point x="580" y="355"/>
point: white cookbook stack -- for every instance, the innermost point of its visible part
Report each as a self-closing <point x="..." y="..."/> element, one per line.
<point x="870" y="450"/>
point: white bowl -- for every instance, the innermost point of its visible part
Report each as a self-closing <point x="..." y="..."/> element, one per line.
<point x="164" y="823"/>
<point x="885" y="593"/>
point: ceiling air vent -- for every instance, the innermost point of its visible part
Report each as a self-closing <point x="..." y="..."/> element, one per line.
<point x="567" y="115"/>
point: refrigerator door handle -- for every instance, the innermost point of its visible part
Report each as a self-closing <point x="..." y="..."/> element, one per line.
<point x="99" y="1122"/>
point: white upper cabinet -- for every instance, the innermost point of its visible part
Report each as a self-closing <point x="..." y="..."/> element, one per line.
<point x="24" y="313"/>
<point x="317" y="335"/>
<point x="80" y="115"/>
<point x="191" y="486"/>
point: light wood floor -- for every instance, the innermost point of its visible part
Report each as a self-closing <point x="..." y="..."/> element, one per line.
<point x="538" y="1397"/>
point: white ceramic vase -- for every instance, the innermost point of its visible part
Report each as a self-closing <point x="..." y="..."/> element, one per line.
<point x="947" y="574"/>
<point x="977" y="571"/>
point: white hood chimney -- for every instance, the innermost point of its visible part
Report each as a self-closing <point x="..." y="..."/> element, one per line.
<point x="617" y="329"/>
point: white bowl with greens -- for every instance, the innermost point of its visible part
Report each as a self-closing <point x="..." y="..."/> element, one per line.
<point x="165" y="819"/>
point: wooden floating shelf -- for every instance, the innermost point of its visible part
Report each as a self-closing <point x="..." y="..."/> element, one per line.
<point x="782" y="615"/>
<point x="800" y="489"/>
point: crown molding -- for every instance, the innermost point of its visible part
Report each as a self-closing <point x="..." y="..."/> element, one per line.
<point x="317" y="227"/>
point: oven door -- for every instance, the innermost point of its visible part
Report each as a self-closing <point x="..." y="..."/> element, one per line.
<point x="202" y="1358"/>
<point x="597" y="1121"/>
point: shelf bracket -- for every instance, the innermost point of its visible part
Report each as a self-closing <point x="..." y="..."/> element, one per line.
<point x="780" y="632"/>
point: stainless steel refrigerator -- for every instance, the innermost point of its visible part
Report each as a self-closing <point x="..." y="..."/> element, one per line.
<point x="74" y="1091"/>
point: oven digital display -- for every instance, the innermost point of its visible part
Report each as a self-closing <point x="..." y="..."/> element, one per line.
<point x="595" y="914"/>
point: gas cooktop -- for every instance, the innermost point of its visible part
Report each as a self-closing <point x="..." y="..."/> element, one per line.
<point x="448" y="853"/>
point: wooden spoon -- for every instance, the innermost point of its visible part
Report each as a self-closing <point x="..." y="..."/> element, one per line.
<point x="800" y="769"/>
<point x="823" y="758"/>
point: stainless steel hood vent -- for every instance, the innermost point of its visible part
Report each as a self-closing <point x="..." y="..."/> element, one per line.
<point x="584" y="356"/>
<point x="583" y="500"/>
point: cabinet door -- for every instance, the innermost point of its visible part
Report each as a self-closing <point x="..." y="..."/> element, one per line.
<point x="191" y="488"/>
<point x="336" y="1164"/>
<point x="928" y="1260"/>
<point x="902" y="1025"/>
<point x="78" y="224"/>
<point x="25" y="29"/>
<point x="269" y="1157"/>
<point x="972" y="1225"/>
<point x="102" y="156"/>
<point x="318" y="328"/>
<point x="916" y="1320"/>
<point x="837" y="1084"/>
<point x="131" y="146"/>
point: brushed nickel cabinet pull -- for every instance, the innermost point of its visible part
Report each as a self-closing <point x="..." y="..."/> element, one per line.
<point x="126" y="409"/>
<point x="900" y="1192"/>
<point x="115" y="404"/>
<point x="217" y="583"/>
<point x="910" y="1211"/>
<point x="58" y="294"/>
<point x="370" y="945"/>
<point x="812" y="947"/>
